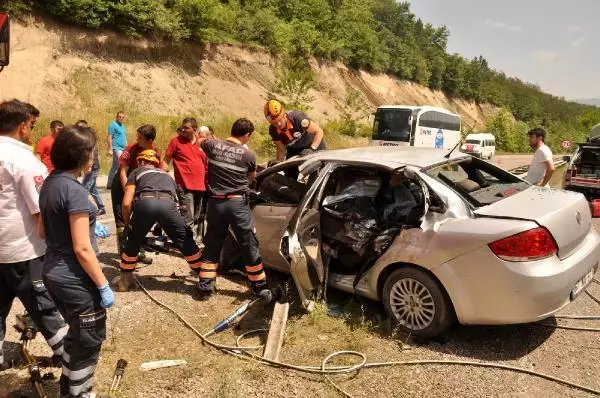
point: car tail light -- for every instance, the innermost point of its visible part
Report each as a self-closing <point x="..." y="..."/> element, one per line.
<point x="595" y="208"/>
<point x="534" y="244"/>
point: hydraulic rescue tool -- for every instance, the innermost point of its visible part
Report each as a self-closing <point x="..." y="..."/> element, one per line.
<point x="28" y="332"/>
<point x="266" y="296"/>
<point x="118" y="375"/>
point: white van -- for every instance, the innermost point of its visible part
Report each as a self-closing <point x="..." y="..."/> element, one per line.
<point x="481" y="145"/>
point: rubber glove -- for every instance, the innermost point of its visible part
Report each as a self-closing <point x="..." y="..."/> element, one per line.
<point x="107" y="296"/>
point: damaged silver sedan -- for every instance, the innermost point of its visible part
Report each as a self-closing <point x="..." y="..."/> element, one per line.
<point x="435" y="239"/>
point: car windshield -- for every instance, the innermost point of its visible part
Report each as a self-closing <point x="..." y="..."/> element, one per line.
<point x="480" y="183"/>
<point x="476" y="142"/>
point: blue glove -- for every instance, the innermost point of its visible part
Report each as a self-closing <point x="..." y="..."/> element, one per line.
<point x="107" y="296"/>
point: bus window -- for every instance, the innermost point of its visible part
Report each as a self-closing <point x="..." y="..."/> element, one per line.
<point x="392" y="125"/>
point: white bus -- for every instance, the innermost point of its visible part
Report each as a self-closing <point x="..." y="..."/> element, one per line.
<point x="421" y="126"/>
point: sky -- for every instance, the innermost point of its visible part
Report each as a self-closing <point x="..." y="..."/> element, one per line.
<point x="552" y="43"/>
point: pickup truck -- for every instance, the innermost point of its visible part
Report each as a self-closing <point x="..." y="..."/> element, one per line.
<point x="583" y="171"/>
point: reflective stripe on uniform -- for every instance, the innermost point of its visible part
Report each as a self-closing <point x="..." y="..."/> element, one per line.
<point x="227" y="165"/>
<point x="207" y="270"/>
<point x="137" y="178"/>
<point x="127" y="262"/>
<point x="127" y="267"/>
<point x="57" y="338"/>
<point x="128" y="259"/>
<point x="255" y="273"/>
<point x="78" y="374"/>
<point x="193" y="258"/>
<point x="254" y="268"/>
<point x="256" y="278"/>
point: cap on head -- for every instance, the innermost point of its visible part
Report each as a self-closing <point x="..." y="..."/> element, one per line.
<point x="203" y="129"/>
<point x="149" y="155"/>
<point x="273" y="110"/>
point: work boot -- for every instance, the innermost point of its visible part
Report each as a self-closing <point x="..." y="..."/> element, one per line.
<point x="123" y="282"/>
<point x="206" y="289"/>
<point x="143" y="258"/>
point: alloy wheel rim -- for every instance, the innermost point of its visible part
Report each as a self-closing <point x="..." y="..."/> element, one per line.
<point x="412" y="304"/>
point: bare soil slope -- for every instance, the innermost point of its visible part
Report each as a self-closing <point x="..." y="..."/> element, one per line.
<point x="57" y="66"/>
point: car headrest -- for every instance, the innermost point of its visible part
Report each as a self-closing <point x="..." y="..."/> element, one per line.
<point x="468" y="185"/>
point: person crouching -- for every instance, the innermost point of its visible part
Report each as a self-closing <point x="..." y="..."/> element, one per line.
<point x="150" y="194"/>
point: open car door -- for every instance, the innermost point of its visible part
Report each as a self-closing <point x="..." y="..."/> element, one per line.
<point x="4" y="39"/>
<point x="301" y="244"/>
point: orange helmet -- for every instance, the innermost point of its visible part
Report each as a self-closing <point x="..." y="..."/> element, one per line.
<point x="273" y="110"/>
<point x="149" y="155"/>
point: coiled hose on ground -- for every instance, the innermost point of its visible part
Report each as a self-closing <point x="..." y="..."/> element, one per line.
<point x="323" y="369"/>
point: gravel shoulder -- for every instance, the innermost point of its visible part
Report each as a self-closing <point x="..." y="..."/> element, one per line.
<point x="140" y="331"/>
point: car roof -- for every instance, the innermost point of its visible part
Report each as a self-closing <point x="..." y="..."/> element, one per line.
<point x="388" y="156"/>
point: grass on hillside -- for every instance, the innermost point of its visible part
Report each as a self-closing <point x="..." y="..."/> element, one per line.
<point x="166" y="128"/>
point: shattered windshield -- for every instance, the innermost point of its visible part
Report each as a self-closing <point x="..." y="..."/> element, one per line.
<point x="480" y="183"/>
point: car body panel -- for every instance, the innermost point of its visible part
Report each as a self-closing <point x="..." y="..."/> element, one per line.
<point x="271" y="222"/>
<point x="487" y="290"/>
<point x="565" y="214"/>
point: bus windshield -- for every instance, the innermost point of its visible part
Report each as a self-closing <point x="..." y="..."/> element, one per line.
<point x="392" y="125"/>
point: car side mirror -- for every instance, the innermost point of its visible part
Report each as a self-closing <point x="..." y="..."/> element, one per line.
<point x="4" y="39"/>
<point x="567" y="158"/>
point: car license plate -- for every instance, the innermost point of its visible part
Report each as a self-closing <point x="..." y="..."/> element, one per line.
<point x="582" y="283"/>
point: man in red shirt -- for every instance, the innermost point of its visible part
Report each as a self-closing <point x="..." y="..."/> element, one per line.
<point x="44" y="147"/>
<point x="190" y="164"/>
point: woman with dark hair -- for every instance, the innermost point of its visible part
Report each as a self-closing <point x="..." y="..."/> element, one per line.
<point x="71" y="271"/>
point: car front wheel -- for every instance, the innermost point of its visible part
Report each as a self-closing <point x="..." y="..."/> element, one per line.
<point x="417" y="303"/>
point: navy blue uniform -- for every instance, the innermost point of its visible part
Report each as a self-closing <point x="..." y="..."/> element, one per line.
<point x="155" y="195"/>
<point x="295" y="135"/>
<point x="228" y="166"/>
<point x="73" y="291"/>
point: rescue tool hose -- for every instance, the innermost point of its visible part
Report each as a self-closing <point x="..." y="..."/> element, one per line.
<point x="242" y="352"/>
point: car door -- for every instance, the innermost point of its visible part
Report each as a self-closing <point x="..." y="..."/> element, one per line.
<point x="301" y="244"/>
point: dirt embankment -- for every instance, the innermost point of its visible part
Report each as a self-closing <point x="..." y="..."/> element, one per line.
<point x="57" y="66"/>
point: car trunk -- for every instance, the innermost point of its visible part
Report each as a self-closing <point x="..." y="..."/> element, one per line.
<point x="565" y="214"/>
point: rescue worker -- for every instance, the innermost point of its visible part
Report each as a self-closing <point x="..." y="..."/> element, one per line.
<point x="71" y="271"/>
<point x="21" y="248"/>
<point x="292" y="131"/>
<point x="231" y="167"/>
<point x="151" y="193"/>
<point x="146" y="135"/>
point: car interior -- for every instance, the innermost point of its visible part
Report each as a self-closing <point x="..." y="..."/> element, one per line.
<point x="362" y="211"/>
<point x="479" y="182"/>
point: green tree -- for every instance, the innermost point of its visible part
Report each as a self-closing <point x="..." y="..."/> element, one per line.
<point x="501" y="124"/>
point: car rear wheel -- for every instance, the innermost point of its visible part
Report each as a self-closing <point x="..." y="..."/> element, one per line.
<point x="417" y="303"/>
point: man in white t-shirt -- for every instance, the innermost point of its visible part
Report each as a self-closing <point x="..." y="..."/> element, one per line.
<point x="541" y="168"/>
<point x="21" y="247"/>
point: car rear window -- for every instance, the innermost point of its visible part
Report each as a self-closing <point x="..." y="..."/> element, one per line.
<point x="476" y="142"/>
<point x="480" y="183"/>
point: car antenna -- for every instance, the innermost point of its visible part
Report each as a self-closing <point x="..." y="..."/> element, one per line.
<point x="447" y="156"/>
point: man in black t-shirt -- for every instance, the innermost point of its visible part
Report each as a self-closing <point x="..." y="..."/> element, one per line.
<point x="154" y="193"/>
<point x="292" y="132"/>
<point x="231" y="166"/>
